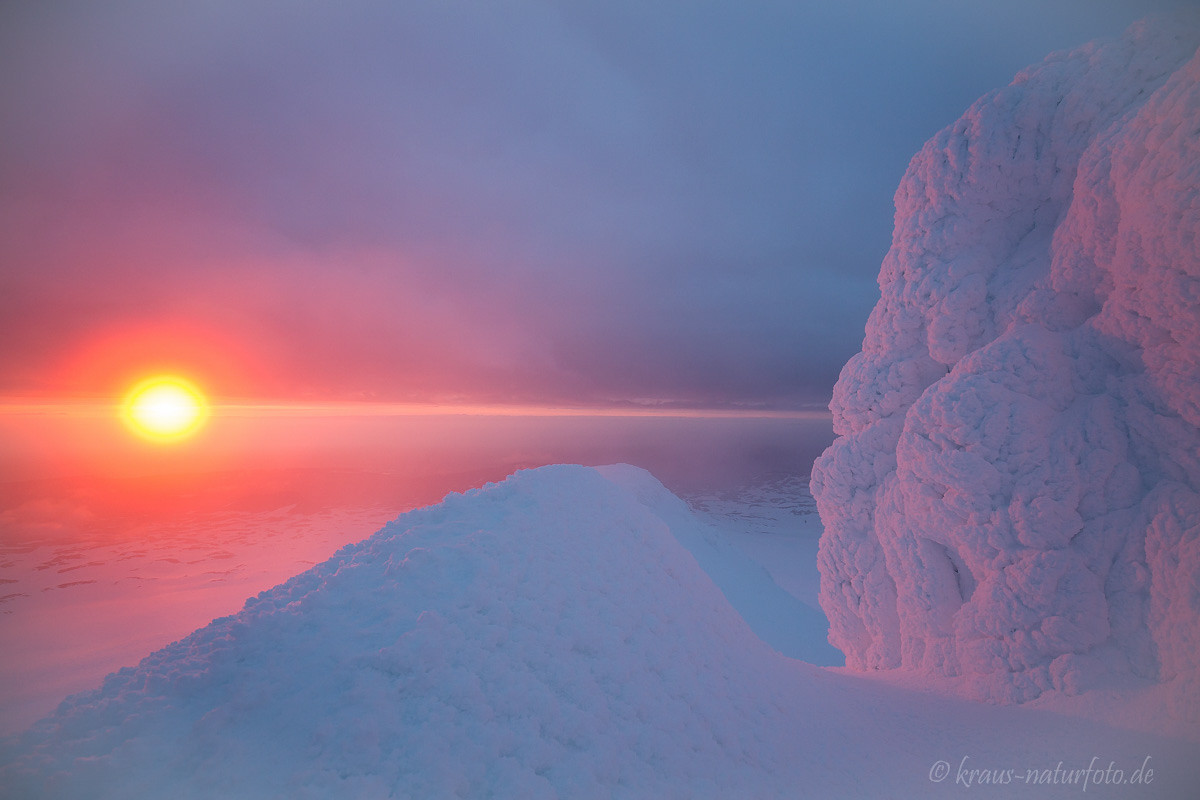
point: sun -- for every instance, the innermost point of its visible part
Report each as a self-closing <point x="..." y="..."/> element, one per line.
<point x="165" y="408"/>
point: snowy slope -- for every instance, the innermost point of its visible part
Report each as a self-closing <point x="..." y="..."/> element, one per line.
<point x="719" y="542"/>
<point x="775" y="522"/>
<point x="760" y="547"/>
<point x="1015" y="494"/>
<point x="547" y="636"/>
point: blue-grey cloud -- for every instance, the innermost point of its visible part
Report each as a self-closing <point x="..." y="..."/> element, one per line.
<point x="526" y="200"/>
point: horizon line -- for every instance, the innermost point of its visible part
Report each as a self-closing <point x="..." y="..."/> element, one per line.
<point x="238" y="407"/>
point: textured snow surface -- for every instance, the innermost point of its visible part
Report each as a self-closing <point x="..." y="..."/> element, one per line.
<point x="1015" y="493"/>
<point x="547" y="636"/>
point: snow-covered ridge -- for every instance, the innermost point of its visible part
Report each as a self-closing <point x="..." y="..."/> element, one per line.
<point x="547" y="632"/>
<point x="1015" y="493"/>
<point x="493" y="642"/>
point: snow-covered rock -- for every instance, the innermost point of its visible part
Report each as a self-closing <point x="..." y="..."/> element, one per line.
<point x="1014" y="495"/>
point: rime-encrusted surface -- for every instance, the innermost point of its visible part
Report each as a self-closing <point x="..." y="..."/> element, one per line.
<point x="1015" y="493"/>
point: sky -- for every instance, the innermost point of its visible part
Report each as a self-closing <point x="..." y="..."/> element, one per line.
<point x="581" y="203"/>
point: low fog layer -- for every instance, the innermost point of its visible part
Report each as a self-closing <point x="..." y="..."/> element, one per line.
<point x="1015" y="493"/>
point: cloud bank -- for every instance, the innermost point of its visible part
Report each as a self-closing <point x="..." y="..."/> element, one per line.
<point x="432" y="200"/>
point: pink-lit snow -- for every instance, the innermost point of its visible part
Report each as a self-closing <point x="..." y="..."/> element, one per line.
<point x="1015" y="496"/>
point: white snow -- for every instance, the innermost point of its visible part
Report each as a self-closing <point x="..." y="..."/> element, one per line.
<point x="547" y="636"/>
<point x="775" y="523"/>
<point x="1015" y="494"/>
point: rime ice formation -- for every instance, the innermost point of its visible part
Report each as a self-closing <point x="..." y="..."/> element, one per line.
<point x="1014" y="496"/>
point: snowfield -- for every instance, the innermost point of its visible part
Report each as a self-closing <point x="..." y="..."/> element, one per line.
<point x="547" y="636"/>
<point x="1014" y="498"/>
<point x="1011" y="512"/>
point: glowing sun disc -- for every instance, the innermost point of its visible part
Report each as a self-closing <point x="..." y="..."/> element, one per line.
<point x="165" y="408"/>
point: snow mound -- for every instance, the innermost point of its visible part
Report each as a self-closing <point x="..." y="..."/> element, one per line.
<point x="536" y="635"/>
<point x="1014" y="496"/>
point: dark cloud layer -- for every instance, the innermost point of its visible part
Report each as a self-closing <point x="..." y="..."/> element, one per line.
<point x="552" y="202"/>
